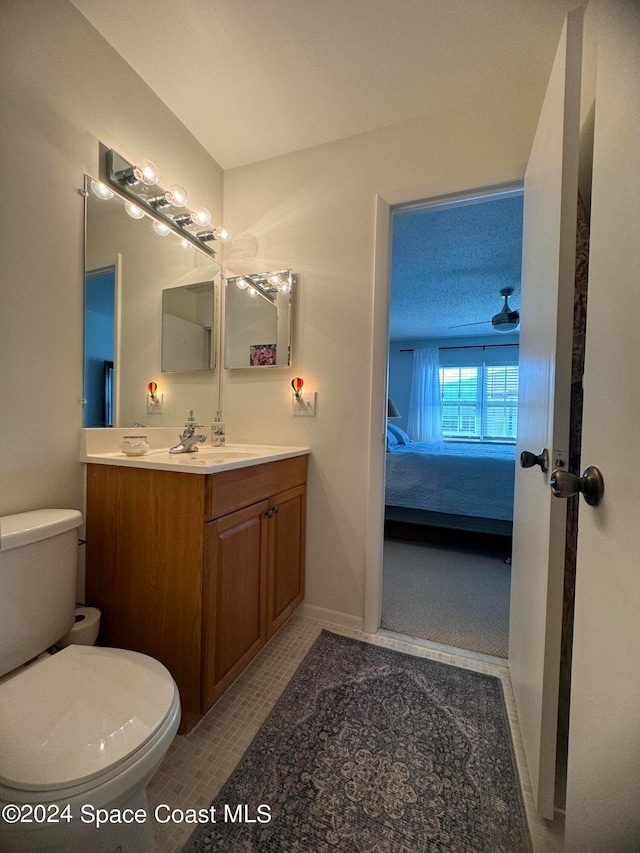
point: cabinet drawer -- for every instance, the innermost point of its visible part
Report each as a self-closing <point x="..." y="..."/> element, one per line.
<point x="228" y="491"/>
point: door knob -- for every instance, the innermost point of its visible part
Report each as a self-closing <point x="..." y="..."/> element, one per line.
<point x="565" y="485"/>
<point x="528" y="460"/>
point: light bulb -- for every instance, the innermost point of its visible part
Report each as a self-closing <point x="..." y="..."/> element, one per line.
<point x="176" y="195"/>
<point x="242" y="283"/>
<point x="101" y="190"/>
<point x="201" y="217"/>
<point x="160" y="228"/>
<point x="222" y="233"/>
<point x="252" y="291"/>
<point x="274" y="278"/>
<point x="133" y="211"/>
<point x="284" y="287"/>
<point x="147" y="172"/>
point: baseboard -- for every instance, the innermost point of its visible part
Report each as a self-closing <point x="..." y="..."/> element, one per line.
<point x="346" y="620"/>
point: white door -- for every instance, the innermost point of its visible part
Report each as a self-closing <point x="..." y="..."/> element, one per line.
<point x="603" y="784"/>
<point x="548" y="270"/>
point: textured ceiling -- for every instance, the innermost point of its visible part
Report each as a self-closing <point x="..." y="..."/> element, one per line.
<point x="253" y="79"/>
<point x="449" y="264"/>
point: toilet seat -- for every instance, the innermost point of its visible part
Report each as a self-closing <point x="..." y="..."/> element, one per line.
<point x="81" y="716"/>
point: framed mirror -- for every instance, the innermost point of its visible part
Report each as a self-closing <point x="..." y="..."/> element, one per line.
<point x="258" y="320"/>
<point x="188" y="315"/>
<point x="128" y="266"/>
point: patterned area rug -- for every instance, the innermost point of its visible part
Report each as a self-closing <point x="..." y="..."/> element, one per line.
<point x="373" y="751"/>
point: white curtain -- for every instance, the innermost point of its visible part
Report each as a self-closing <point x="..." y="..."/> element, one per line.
<point x="424" y="421"/>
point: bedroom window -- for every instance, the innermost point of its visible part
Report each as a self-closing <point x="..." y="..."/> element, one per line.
<point x="479" y="403"/>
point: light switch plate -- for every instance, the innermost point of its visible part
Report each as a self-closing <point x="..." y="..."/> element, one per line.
<point x="305" y="406"/>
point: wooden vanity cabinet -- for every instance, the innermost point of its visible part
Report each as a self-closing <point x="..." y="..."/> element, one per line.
<point x="196" y="571"/>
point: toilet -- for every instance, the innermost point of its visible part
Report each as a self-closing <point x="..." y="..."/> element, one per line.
<point x="82" y="731"/>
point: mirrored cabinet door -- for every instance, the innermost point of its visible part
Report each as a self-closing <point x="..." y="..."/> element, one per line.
<point x="258" y="320"/>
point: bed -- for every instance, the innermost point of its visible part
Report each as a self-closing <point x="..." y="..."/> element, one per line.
<point x="452" y="485"/>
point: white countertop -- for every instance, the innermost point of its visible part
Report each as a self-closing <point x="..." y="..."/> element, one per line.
<point x="206" y="460"/>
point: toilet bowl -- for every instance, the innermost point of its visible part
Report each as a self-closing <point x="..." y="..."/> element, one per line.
<point x="81" y="730"/>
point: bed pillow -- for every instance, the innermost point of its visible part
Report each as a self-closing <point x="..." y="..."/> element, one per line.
<point x="400" y="434"/>
<point x="392" y="441"/>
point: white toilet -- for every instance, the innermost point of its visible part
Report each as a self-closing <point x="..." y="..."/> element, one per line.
<point x="80" y="730"/>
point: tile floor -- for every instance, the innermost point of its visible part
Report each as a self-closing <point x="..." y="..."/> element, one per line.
<point x="197" y="765"/>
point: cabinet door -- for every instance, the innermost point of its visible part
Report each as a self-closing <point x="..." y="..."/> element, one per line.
<point x="285" y="586"/>
<point x="234" y="591"/>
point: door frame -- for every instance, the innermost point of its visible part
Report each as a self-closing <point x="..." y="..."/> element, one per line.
<point x="384" y="207"/>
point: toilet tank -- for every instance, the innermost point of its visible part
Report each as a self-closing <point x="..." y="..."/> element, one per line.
<point x="38" y="568"/>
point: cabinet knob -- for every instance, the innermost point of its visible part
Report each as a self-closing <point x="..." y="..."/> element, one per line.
<point x="276" y="509"/>
<point x="269" y="513"/>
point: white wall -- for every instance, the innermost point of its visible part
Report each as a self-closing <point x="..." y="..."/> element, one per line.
<point x="62" y="91"/>
<point x="314" y="211"/>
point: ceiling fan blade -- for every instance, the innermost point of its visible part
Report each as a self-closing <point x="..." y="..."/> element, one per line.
<point x="462" y="325"/>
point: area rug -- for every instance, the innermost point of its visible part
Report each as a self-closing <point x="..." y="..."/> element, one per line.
<point x="370" y="750"/>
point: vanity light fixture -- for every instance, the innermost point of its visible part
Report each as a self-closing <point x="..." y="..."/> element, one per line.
<point x="220" y="233"/>
<point x="165" y="207"/>
<point x="200" y="217"/>
<point x="145" y="172"/>
<point x="134" y="211"/>
<point x="267" y="284"/>
<point x="176" y="196"/>
<point x="101" y="190"/>
<point x="160" y="228"/>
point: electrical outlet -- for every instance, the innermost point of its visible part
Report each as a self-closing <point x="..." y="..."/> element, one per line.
<point x="305" y="405"/>
<point x="154" y="406"/>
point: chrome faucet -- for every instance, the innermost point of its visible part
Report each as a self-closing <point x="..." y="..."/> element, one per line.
<point x="189" y="438"/>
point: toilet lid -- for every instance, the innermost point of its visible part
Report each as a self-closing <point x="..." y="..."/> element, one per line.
<point x="77" y="713"/>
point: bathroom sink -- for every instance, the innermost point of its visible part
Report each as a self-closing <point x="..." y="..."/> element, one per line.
<point x="206" y="460"/>
<point x="215" y="455"/>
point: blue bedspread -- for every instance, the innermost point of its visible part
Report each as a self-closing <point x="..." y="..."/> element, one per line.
<point x="461" y="479"/>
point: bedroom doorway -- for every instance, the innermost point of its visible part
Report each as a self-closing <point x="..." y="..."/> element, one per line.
<point x="452" y="419"/>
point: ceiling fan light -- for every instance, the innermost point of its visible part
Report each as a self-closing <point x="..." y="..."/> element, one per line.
<point x="506" y="326"/>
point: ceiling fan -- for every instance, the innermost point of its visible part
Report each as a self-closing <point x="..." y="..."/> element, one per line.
<point x="505" y="320"/>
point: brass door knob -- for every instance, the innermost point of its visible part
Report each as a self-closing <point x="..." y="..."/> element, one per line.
<point x="590" y="485"/>
<point x="528" y="459"/>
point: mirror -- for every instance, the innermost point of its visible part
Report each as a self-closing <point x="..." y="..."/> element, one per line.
<point x="128" y="265"/>
<point x="258" y="319"/>
<point x="187" y="327"/>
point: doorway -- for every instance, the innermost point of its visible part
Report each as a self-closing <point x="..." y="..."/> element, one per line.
<point x="452" y="419"/>
<point x="99" y="350"/>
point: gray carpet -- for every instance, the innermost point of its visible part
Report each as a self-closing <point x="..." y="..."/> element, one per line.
<point x="373" y="751"/>
<point x="454" y="596"/>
